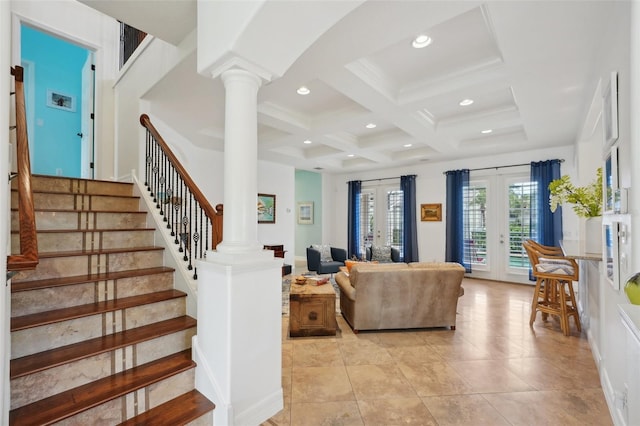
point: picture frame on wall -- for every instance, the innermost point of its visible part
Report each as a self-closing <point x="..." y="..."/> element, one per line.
<point x="266" y="208"/>
<point x="305" y="213"/>
<point x="610" y="110"/>
<point x="431" y="212"/>
<point x="59" y="100"/>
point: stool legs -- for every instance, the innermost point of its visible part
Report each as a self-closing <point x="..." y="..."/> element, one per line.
<point x="554" y="299"/>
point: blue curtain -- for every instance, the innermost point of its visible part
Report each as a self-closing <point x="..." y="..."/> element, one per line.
<point x="457" y="181"/>
<point x="409" y="232"/>
<point x="353" y="221"/>
<point x="549" y="229"/>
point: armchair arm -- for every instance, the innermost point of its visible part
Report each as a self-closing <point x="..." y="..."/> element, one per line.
<point x="338" y="254"/>
<point x="395" y="254"/>
<point x="313" y="259"/>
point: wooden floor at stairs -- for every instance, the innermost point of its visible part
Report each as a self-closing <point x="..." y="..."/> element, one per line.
<point x="99" y="334"/>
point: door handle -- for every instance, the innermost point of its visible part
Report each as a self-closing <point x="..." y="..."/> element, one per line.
<point x="79" y="134"/>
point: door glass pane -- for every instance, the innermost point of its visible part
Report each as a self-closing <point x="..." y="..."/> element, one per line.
<point x="395" y="218"/>
<point x="367" y="217"/>
<point x="475" y="217"/>
<point x="521" y="222"/>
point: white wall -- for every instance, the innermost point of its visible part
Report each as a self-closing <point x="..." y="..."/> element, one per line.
<point x="431" y="188"/>
<point x="5" y="342"/>
<point x="82" y="25"/>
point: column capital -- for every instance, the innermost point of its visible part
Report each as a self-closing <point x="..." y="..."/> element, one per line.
<point x="239" y="63"/>
<point x="240" y="74"/>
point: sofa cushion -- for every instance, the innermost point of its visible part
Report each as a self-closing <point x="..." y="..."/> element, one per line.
<point x="325" y="252"/>
<point x="381" y="254"/>
<point x="370" y="266"/>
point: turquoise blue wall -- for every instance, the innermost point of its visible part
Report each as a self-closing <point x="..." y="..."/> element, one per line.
<point x="308" y="188"/>
<point x="57" y="66"/>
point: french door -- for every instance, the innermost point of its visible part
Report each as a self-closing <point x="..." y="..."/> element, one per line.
<point x="381" y="217"/>
<point x="499" y="215"/>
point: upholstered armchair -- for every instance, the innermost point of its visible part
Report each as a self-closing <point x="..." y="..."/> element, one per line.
<point x="325" y="259"/>
<point x="382" y="255"/>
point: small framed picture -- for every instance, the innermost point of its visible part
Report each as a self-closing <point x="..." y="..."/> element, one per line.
<point x="431" y="212"/>
<point x="610" y="110"/>
<point x="305" y="213"/>
<point x="59" y="100"/>
<point x="266" y="208"/>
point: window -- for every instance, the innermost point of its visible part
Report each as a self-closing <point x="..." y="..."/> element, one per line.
<point x="475" y="218"/>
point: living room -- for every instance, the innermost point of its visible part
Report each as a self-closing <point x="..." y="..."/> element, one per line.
<point x="581" y="152"/>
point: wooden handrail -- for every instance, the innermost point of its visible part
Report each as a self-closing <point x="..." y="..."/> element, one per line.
<point x="214" y="215"/>
<point x="28" y="257"/>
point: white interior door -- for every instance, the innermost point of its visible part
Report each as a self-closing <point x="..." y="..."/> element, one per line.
<point x="87" y="119"/>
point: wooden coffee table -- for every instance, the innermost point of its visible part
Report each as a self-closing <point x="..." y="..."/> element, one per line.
<point x="312" y="310"/>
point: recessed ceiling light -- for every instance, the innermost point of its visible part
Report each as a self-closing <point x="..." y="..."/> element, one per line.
<point x="307" y="141"/>
<point x="466" y="102"/>
<point x="487" y="131"/>
<point x="371" y="126"/>
<point x="303" y="90"/>
<point x="351" y="155"/>
<point x="407" y="145"/>
<point x="421" y="41"/>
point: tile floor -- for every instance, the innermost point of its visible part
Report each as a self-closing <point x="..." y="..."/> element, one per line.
<point x="493" y="370"/>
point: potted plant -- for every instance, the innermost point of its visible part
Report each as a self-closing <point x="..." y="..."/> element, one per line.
<point x="586" y="202"/>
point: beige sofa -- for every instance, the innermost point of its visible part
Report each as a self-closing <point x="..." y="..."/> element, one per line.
<point x="400" y="295"/>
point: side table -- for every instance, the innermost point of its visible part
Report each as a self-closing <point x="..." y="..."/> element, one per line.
<point x="312" y="310"/>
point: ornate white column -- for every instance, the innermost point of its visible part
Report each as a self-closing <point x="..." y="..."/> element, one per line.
<point x="240" y="227"/>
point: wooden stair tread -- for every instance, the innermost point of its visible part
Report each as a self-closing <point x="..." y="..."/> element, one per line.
<point x="17" y="286"/>
<point x="53" y="254"/>
<point x="85" y="230"/>
<point x="87" y="194"/>
<point x="43" y="210"/>
<point x="65" y="314"/>
<point x="43" y="360"/>
<point x="66" y="404"/>
<point x="56" y="177"/>
<point x="178" y="411"/>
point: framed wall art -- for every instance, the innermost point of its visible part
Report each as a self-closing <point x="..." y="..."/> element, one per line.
<point x="610" y="110"/>
<point x="266" y="208"/>
<point x="431" y="212"/>
<point x="59" y="100"/>
<point x="305" y="213"/>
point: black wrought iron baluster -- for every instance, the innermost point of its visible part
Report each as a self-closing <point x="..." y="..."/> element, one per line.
<point x="147" y="160"/>
<point x="188" y="246"/>
<point x="196" y="237"/>
<point x="182" y="216"/>
<point x="156" y="170"/>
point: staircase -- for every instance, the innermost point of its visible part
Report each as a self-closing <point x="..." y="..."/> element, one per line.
<point x="98" y="333"/>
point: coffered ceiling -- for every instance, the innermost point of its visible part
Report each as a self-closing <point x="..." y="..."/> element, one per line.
<point x="526" y="65"/>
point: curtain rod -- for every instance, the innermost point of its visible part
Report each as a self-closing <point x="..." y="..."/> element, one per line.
<point x="502" y="167"/>
<point x="387" y="178"/>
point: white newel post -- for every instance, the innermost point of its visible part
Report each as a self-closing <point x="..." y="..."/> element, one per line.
<point x="238" y="343"/>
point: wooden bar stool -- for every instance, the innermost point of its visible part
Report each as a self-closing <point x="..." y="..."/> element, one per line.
<point x="554" y="287"/>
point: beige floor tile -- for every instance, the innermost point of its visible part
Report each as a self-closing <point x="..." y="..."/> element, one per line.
<point x="343" y="413"/>
<point x="316" y="353"/>
<point x="414" y="354"/>
<point x="379" y="382"/>
<point x="397" y="411"/>
<point x="489" y="376"/>
<point x="463" y="410"/>
<point x="436" y="378"/>
<point x="364" y="352"/>
<point x="493" y="369"/>
<point x="320" y="384"/>
<point x="580" y="407"/>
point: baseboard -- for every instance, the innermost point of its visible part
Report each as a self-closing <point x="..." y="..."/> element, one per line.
<point x="261" y="411"/>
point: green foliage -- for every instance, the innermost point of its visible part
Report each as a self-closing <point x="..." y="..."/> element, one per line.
<point x="586" y="200"/>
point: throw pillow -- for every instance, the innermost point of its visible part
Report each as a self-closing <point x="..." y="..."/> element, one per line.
<point x="381" y="254"/>
<point x="325" y="252"/>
